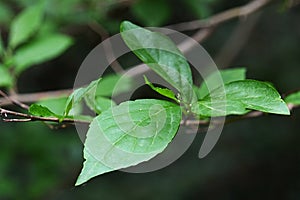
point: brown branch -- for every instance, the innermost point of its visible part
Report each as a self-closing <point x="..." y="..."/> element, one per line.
<point x="237" y="40"/>
<point x="33" y="97"/>
<point x="13" y="101"/>
<point x="97" y="28"/>
<point x="237" y="12"/>
<point x="29" y="118"/>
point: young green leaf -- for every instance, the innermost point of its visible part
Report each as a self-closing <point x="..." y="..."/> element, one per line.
<point x="293" y="98"/>
<point x="77" y="96"/>
<point x="162" y="56"/>
<point x="114" y="84"/>
<point x="163" y="91"/>
<point x="240" y="97"/>
<point x="42" y="111"/>
<point x="227" y="76"/>
<point x="6" y="79"/>
<point x="57" y="105"/>
<point x="41" y="50"/>
<point x="128" y="134"/>
<point x="98" y="104"/>
<point x="25" y="25"/>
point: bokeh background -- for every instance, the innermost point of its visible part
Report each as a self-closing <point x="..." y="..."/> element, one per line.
<point x="254" y="159"/>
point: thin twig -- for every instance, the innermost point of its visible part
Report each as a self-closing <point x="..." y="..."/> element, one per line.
<point x="115" y="65"/>
<point x="236" y="42"/>
<point x="237" y="12"/>
<point x="14" y="101"/>
<point x="33" y="97"/>
<point x="27" y="118"/>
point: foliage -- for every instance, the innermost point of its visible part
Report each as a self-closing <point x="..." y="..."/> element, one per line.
<point x="112" y="137"/>
<point x="32" y="34"/>
<point x="25" y="43"/>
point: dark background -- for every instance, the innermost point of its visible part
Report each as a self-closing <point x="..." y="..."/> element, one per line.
<point x="254" y="158"/>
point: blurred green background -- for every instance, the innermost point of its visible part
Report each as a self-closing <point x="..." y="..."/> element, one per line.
<point x="254" y="158"/>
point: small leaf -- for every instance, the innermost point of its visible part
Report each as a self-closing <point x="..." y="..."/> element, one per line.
<point x="293" y="98"/>
<point x="57" y="105"/>
<point x="41" y="50"/>
<point x="227" y="75"/>
<point x="128" y="134"/>
<point x="25" y="25"/>
<point x="42" y="111"/>
<point x="77" y="96"/>
<point x="163" y="91"/>
<point x="114" y="84"/>
<point x="162" y="56"/>
<point x="144" y="8"/>
<point x="6" y="79"/>
<point x="98" y="104"/>
<point x="240" y="97"/>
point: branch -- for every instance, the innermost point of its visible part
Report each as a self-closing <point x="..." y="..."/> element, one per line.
<point x="33" y="97"/>
<point x="237" y="12"/>
<point x="29" y="118"/>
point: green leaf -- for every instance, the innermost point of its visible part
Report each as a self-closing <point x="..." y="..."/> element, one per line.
<point x="77" y="96"/>
<point x="114" y="84"/>
<point x="42" y="111"/>
<point x="6" y="79"/>
<point x="240" y="97"/>
<point x="161" y="55"/>
<point x="25" y="25"/>
<point x="163" y="91"/>
<point x="144" y="8"/>
<point x="5" y="14"/>
<point x="227" y="75"/>
<point x="91" y="168"/>
<point x="293" y="98"/>
<point x="57" y="105"/>
<point x="98" y="104"/>
<point x="41" y="50"/>
<point x="128" y="134"/>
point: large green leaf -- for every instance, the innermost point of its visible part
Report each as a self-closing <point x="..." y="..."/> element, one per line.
<point x="293" y="98"/>
<point x="6" y="79"/>
<point x="240" y="97"/>
<point x="25" y="25"/>
<point x="41" y="50"/>
<point x="144" y="8"/>
<point x="227" y="76"/>
<point x="161" y="55"/>
<point x="128" y="134"/>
